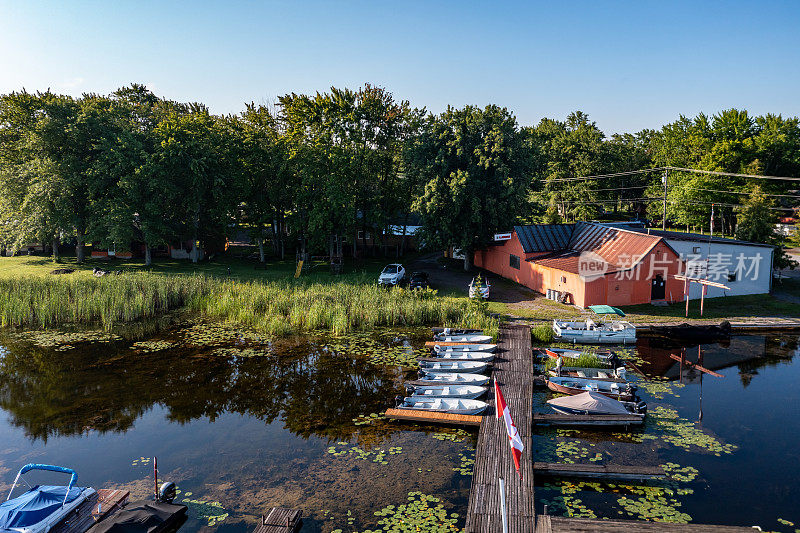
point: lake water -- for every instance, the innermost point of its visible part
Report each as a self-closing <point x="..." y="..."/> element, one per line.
<point x="242" y="424"/>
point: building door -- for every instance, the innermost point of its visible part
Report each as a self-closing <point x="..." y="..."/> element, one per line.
<point x="658" y="289"/>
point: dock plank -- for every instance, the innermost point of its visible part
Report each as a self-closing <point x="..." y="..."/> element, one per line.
<point x="555" y="524"/>
<point x="558" y="419"/>
<point x="599" y="471"/>
<point x="430" y="417"/>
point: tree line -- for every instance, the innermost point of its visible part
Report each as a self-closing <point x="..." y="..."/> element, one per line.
<point x="316" y="170"/>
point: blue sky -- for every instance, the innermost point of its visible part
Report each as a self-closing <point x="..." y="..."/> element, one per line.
<point x="629" y="65"/>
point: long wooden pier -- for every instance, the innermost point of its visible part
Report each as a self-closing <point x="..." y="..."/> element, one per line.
<point x="513" y="371"/>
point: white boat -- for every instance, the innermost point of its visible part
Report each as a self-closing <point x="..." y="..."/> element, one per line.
<point x="458" y="406"/>
<point x="592" y="403"/>
<point x="465" y="348"/>
<point x="470" y="367"/>
<point x="466" y="356"/>
<point x="468" y="338"/>
<point x="572" y="386"/>
<point x="42" y="506"/>
<point x="456" y="378"/>
<point x="591" y="332"/>
<point x="469" y="392"/>
<point x="592" y="373"/>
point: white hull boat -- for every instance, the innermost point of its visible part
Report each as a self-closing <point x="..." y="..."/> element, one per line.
<point x="469" y="392"/>
<point x="592" y="403"/>
<point x="573" y="386"/>
<point x="589" y="332"/>
<point x="458" y="406"/>
<point x="465" y="348"/>
<point x="468" y="338"/>
<point x="485" y="357"/>
<point x="458" y="378"/>
<point x="591" y="373"/>
<point x="42" y="506"/>
<point x="468" y="367"/>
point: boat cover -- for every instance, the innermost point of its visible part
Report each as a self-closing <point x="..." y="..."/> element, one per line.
<point x="591" y="402"/>
<point x="606" y="310"/>
<point x="144" y="516"/>
<point x="35" y="505"/>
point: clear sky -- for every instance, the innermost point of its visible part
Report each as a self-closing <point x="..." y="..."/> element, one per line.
<point x="629" y="65"/>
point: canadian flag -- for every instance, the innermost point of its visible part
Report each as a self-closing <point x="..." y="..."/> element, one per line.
<point x="511" y="429"/>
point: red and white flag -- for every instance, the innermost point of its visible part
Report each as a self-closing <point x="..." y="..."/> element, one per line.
<point x="511" y="429"/>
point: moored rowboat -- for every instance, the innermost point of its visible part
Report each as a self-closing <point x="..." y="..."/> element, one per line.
<point x="447" y="391"/>
<point x="455" y="378"/>
<point x="473" y="339"/>
<point x="457" y="406"/>
<point x="464" y="356"/>
<point x="570" y="385"/>
<point x="470" y="367"/>
<point x="464" y="348"/>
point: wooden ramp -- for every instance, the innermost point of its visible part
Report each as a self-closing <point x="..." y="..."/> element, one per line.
<point x="280" y="520"/>
<point x="513" y="371"/>
<point x="555" y="524"/>
<point x="97" y="507"/>
<point x="557" y="419"/>
<point x="600" y="471"/>
<point x="430" y="417"/>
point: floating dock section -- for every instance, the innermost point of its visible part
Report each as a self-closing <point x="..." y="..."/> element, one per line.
<point x="557" y="419"/>
<point x="556" y="524"/>
<point x="100" y="505"/>
<point x="280" y="520"/>
<point x="434" y="417"/>
<point x="644" y="473"/>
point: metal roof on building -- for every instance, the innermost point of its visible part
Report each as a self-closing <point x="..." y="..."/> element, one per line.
<point x="544" y="237"/>
<point x="696" y="237"/>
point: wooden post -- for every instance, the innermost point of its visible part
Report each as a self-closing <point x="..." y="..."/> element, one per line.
<point x="686" y="295"/>
<point x="702" y="298"/>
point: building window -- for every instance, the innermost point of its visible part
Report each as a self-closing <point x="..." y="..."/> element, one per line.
<point x="563" y="279"/>
<point x="513" y="261"/>
<point x="696" y="250"/>
<point x="731" y="276"/>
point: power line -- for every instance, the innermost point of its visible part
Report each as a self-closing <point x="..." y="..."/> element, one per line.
<point x="601" y="176"/>
<point x="735" y="192"/>
<point x="731" y="174"/>
<point x="676" y="169"/>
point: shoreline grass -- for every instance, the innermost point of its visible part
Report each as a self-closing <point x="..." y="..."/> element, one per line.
<point x="273" y="307"/>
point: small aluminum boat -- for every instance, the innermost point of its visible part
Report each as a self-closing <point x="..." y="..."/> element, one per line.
<point x="566" y="353"/>
<point x="456" y="331"/>
<point x="457" y="406"/>
<point x="485" y="357"/>
<point x="457" y="378"/>
<point x="465" y="348"/>
<point x="590" y="332"/>
<point x="592" y="373"/>
<point x="42" y="506"/>
<point x="592" y="403"/>
<point x="469" y="392"/>
<point x="467" y="337"/>
<point x="612" y="389"/>
<point x="469" y="367"/>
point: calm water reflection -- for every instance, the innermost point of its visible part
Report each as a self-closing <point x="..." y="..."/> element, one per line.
<point x="241" y="434"/>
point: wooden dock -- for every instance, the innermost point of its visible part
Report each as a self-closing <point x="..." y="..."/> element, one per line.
<point x="513" y="371"/>
<point x="100" y="505"/>
<point x="644" y="473"/>
<point x="557" y="419"/>
<point x="430" y="417"/>
<point x="556" y="524"/>
<point x="280" y="520"/>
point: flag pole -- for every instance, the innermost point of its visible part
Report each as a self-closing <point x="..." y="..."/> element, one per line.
<point x="503" y="505"/>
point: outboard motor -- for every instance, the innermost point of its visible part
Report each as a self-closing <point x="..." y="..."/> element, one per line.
<point x="620" y="372"/>
<point x="167" y="492"/>
<point x="420" y="373"/>
<point x="398" y="401"/>
<point x="409" y="390"/>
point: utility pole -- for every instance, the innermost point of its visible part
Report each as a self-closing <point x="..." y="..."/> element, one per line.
<point x="664" y="220"/>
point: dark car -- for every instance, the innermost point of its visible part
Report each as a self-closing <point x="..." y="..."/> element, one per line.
<point x="419" y="280"/>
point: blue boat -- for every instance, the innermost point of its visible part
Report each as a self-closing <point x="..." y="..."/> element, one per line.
<point x="42" y="506"/>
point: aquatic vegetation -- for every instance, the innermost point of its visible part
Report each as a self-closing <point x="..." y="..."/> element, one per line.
<point x="210" y="512"/>
<point x="421" y="513"/>
<point x="152" y="346"/>
<point x="685" y="474"/>
<point x="683" y="433"/>
<point x="657" y="509"/>
<point x="363" y="420"/>
<point x="466" y="463"/>
<point x="659" y="388"/>
<point x="378" y="455"/>
<point x="241" y="352"/>
<point x="61" y="340"/>
<point x="141" y="461"/>
<point x="204" y="333"/>
<point x="454" y="435"/>
<point x="394" y="352"/>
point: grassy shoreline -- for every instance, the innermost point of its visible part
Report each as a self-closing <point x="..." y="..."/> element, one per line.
<point x="274" y="307"/>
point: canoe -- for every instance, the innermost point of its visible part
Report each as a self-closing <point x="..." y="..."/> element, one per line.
<point x="469" y="392"/>
<point x="592" y="403"/>
<point x="465" y="348"/>
<point x="42" y="506"/>
<point x="590" y="332"/>
<point x="459" y="378"/>
<point x="457" y="406"/>
<point x="592" y="373"/>
<point x="570" y="385"/>
<point x="470" y="367"/>
<point x="467" y="337"/>
<point x="465" y="356"/>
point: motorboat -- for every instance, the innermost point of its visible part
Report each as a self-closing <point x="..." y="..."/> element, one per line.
<point x="485" y="357"/>
<point x="459" y="406"/>
<point x="591" y="332"/>
<point x="469" y="338"/>
<point x="612" y="389"/>
<point x="454" y="378"/>
<point x="592" y="403"/>
<point x="42" y="506"/>
<point x="469" y="367"/>
<point x="469" y="392"/>
<point x="593" y="373"/>
<point x="465" y="348"/>
<point x="555" y="353"/>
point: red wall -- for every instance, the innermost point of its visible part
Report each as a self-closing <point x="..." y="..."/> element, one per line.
<point x="612" y="289"/>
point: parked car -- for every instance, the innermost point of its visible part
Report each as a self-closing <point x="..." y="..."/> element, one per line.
<point x="419" y="280"/>
<point x="392" y="275"/>
<point x="479" y="286"/>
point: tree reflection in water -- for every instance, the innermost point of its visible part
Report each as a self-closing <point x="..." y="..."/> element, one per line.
<point x="108" y="387"/>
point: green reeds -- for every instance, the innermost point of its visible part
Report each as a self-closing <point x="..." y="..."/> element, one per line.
<point x="277" y="308"/>
<point x="583" y="361"/>
<point x="542" y="333"/>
